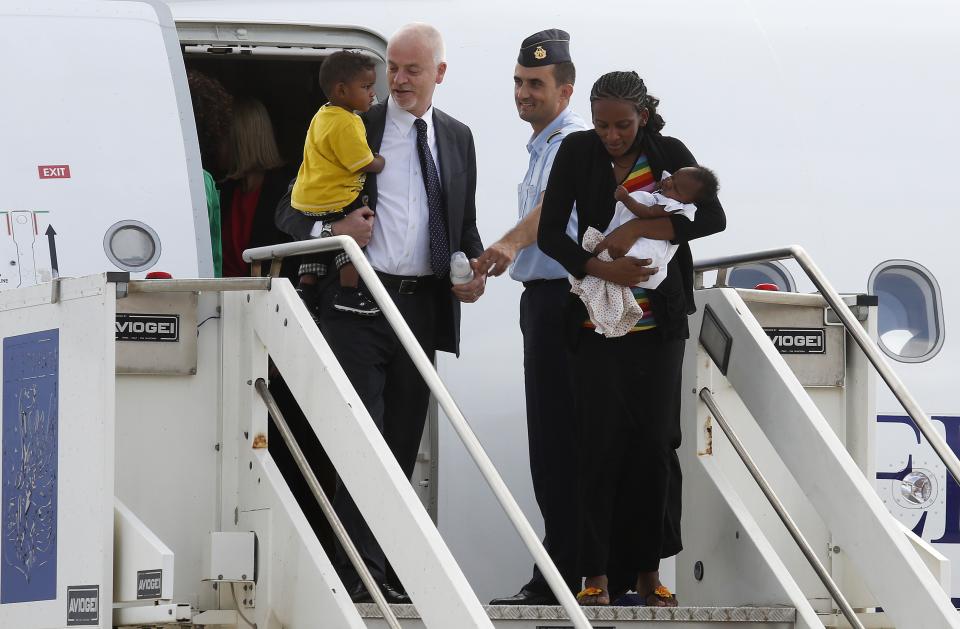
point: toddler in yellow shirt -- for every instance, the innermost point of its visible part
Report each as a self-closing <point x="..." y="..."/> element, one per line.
<point x="336" y="159"/>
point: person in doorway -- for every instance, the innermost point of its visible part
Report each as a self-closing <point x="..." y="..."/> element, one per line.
<point x="543" y="84"/>
<point x="336" y="160"/>
<point x="212" y="107"/>
<point x="425" y="209"/>
<point x="630" y="429"/>
<point x="255" y="180"/>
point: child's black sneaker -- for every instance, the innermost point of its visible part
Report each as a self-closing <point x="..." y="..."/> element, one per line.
<point x="355" y="300"/>
<point x="310" y="294"/>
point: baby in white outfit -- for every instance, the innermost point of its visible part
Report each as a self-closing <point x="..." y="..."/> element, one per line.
<point x="677" y="194"/>
<point x="613" y="309"/>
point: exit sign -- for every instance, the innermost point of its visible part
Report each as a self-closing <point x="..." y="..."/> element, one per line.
<point x="56" y="171"/>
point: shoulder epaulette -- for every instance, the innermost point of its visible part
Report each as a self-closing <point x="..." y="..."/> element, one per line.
<point x="553" y="135"/>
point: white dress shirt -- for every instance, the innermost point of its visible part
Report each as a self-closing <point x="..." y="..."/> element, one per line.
<point x="400" y="243"/>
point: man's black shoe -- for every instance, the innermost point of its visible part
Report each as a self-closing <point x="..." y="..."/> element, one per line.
<point x="394" y="595"/>
<point x="526" y="597"/>
<point x="359" y="594"/>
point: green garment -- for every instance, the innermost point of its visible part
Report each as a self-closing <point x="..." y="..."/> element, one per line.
<point x="213" y="211"/>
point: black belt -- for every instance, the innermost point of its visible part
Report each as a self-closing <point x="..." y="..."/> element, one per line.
<point x="530" y="283"/>
<point x="405" y="284"/>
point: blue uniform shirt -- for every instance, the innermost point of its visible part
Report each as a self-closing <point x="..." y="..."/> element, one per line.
<point x="531" y="263"/>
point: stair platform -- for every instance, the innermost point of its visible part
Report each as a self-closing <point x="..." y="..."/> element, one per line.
<point x="613" y="617"/>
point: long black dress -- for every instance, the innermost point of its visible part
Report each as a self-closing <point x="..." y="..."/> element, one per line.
<point x="629" y="488"/>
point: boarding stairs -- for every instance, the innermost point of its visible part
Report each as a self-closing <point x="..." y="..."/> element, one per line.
<point x="781" y="529"/>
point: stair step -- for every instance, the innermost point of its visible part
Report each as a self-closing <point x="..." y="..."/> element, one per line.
<point x="533" y="616"/>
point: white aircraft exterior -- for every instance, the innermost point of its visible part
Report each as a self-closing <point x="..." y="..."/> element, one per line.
<point x="827" y="124"/>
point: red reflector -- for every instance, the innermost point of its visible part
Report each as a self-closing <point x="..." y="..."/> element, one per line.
<point x="163" y="275"/>
<point x="764" y="286"/>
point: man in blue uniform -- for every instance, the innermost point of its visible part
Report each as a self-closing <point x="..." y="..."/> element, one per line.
<point x="543" y="83"/>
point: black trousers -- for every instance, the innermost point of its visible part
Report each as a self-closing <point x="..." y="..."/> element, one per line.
<point x="551" y="423"/>
<point x="392" y="391"/>
<point x="318" y="263"/>
<point x="629" y="429"/>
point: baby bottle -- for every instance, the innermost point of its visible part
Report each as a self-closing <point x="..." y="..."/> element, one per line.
<point x="460" y="270"/>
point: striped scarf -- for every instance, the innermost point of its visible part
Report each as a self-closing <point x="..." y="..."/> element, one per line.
<point x="640" y="178"/>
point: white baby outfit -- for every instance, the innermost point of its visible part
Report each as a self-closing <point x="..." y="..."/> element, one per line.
<point x="613" y="309"/>
<point x="660" y="252"/>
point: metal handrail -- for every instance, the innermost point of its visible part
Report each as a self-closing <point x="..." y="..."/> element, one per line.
<point x="444" y="399"/>
<point x="338" y="529"/>
<point x="792" y="527"/>
<point x="869" y="347"/>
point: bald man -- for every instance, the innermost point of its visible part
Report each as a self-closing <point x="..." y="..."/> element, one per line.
<point x="422" y="208"/>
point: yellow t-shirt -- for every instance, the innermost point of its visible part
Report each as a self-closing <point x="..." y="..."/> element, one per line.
<point x="333" y="154"/>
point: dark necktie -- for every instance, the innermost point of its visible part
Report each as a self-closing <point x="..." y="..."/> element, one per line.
<point x="439" y="241"/>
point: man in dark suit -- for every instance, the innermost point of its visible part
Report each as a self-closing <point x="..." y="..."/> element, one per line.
<point x="421" y="209"/>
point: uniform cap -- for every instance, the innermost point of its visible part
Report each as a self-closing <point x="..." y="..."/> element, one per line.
<point x="545" y="48"/>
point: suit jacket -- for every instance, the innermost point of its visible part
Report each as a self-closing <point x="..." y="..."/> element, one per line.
<point x="458" y="174"/>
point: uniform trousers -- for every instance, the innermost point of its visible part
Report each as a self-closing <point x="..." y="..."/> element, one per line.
<point x="629" y="494"/>
<point x="551" y="423"/>
<point x="392" y="391"/>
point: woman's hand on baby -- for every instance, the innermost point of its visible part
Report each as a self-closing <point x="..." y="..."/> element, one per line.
<point x="624" y="271"/>
<point x="621" y="194"/>
<point x="627" y="271"/>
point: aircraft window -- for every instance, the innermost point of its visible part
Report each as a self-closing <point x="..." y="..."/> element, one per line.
<point x="749" y="275"/>
<point x="132" y="245"/>
<point x="910" y="314"/>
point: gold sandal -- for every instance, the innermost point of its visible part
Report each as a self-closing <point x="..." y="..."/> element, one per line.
<point x="594" y="593"/>
<point x="660" y="597"/>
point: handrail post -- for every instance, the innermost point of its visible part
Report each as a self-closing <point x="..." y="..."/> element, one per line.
<point x="325" y="506"/>
<point x="459" y="423"/>
<point x="781" y="510"/>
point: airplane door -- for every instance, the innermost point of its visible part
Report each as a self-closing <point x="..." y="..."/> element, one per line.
<point x="98" y="129"/>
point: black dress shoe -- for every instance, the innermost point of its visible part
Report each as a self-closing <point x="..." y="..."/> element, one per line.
<point x="526" y="597"/>
<point x="359" y="594"/>
<point x="394" y="595"/>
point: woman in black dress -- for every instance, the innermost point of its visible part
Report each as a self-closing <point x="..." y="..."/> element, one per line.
<point x="629" y="386"/>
